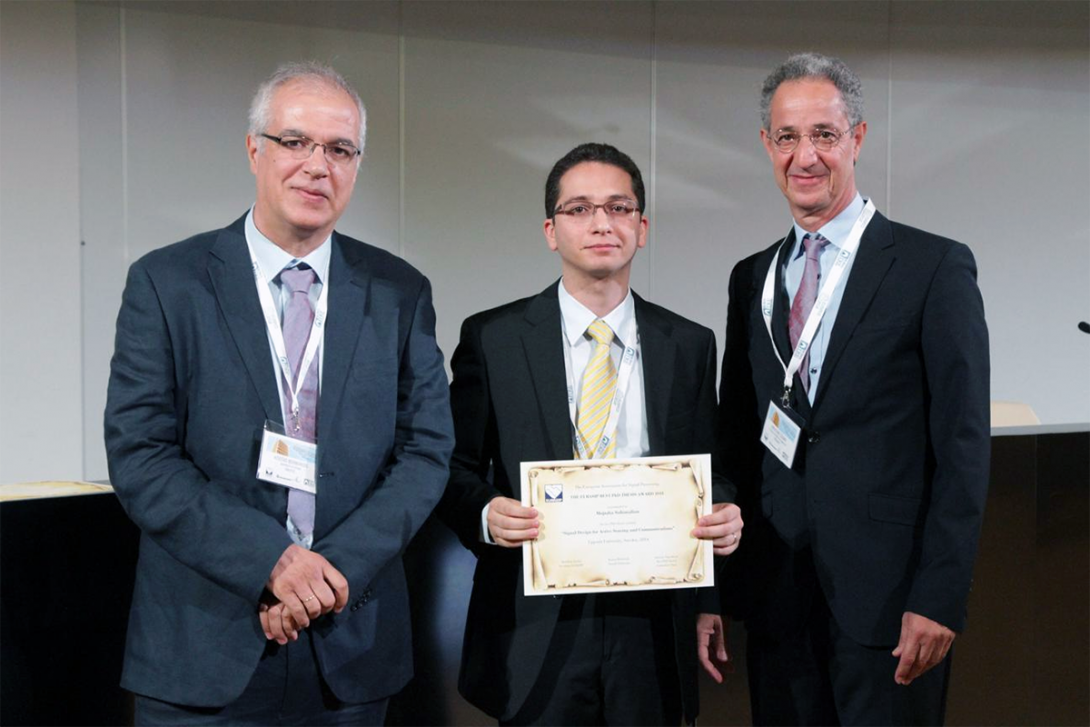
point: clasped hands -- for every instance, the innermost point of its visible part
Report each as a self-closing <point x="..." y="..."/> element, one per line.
<point x="303" y="585"/>
<point x="511" y="524"/>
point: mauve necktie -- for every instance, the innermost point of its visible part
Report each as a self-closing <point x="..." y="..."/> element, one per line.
<point x="804" y="300"/>
<point x="298" y="318"/>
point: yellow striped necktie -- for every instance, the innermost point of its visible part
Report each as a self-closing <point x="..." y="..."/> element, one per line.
<point x="596" y="395"/>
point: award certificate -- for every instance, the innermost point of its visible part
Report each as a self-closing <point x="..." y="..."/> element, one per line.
<point x="617" y="524"/>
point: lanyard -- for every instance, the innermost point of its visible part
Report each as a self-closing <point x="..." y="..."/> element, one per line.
<point x="624" y="376"/>
<point x="840" y="267"/>
<point x="276" y="334"/>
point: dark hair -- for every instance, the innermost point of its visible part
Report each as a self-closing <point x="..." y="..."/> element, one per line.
<point x="601" y="153"/>
<point x="815" y="65"/>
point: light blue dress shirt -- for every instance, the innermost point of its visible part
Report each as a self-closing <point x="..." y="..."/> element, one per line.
<point x="272" y="259"/>
<point x="836" y="231"/>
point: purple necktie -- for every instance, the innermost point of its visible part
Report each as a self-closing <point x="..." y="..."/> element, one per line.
<point x="804" y="300"/>
<point x="298" y="317"/>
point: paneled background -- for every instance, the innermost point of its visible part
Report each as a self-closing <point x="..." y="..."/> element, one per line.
<point x="122" y="129"/>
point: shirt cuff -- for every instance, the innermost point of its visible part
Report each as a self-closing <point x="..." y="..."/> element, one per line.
<point x="486" y="537"/>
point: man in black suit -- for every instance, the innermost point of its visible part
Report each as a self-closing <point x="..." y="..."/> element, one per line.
<point x="578" y="659"/>
<point x="864" y="509"/>
<point x="256" y="602"/>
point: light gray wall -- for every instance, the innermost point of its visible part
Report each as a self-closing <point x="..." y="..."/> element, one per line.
<point x="978" y="116"/>
<point x="41" y="399"/>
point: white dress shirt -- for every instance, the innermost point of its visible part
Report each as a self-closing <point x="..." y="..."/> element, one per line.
<point x="575" y="318"/>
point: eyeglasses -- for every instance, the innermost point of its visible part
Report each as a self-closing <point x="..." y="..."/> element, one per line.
<point x="583" y="211"/>
<point x="300" y="147"/>
<point x="822" y="139"/>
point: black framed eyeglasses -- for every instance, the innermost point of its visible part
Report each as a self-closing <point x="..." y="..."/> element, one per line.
<point x="301" y="147"/>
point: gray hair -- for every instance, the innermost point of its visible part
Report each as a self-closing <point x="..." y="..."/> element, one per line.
<point x="815" y="65"/>
<point x="311" y="71"/>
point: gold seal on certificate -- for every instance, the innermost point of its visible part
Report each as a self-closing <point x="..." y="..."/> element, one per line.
<point x="617" y="524"/>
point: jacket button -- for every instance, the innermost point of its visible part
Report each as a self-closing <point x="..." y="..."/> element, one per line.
<point x="814" y="437"/>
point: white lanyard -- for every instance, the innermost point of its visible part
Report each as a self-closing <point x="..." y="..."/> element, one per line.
<point x="276" y="334"/>
<point x="840" y="266"/>
<point x="624" y="376"/>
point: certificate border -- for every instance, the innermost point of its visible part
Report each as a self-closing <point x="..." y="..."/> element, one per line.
<point x="701" y="466"/>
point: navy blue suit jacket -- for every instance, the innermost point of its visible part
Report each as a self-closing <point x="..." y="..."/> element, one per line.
<point x="883" y="506"/>
<point x="191" y="385"/>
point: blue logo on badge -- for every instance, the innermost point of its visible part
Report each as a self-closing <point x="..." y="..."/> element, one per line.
<point x="554" y="493"/>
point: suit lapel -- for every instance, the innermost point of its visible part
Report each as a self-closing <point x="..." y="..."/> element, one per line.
<point x="349" y="300"/>
<point x="231" y="272"/>
<point x="657" y="352"/>
<point x="781" y="310"/>
<point x="781" y="307"/>
<point x="872" y="262"/>
<point x="544" y="346"/>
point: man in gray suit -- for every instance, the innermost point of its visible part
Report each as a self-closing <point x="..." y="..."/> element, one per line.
<point x="278" y="427"/>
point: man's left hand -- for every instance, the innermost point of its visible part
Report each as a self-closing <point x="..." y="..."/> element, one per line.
<point x="723" y="527"/>
<point x="924" y="643"/>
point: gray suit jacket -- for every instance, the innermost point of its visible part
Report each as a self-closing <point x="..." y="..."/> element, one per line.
<point x="191" y="385"/>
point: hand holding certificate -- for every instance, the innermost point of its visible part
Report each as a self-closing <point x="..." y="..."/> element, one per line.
<point x="617" y="524"/>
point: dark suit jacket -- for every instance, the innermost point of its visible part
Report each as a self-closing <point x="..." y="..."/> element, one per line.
<point x="885" y="499"/>
<point x="191" y="385"/>
<point x="509" y="398"/>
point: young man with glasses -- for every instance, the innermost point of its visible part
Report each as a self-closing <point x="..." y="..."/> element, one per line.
<point x="274" y="487"/>
<point x="616" y="658"/>
<point x="862" y="341"/>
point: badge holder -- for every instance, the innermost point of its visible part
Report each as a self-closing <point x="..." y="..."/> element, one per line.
<point x="782" y="430"/>
<point x="287" y="461"/>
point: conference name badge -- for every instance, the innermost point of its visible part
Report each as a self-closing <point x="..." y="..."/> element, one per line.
<point x="287" y="461"/>
<point x="781" y="434"/>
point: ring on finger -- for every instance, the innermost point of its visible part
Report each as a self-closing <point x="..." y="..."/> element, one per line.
<point x="308" y="599"/>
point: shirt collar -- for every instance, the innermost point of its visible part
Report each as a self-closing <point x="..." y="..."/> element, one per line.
<point x="836" y="230"/>
<point x="272" y="258"/>
<point x="576" y="317"/>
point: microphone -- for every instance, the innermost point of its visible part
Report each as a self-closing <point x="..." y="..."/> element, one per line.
<point x="1084" y="326"/>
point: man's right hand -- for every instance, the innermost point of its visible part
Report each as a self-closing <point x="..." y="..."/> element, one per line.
<point x="713" y="642"/>
<point x="510" y="524"/>
<point x="307" y="585"/>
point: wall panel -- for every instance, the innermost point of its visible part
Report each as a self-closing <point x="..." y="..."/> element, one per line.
<point x="495" y="93"/>
<point x="41" y="417"/>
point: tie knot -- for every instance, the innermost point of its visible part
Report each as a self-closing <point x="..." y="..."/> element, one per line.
<point x="814" y="244"/>
<point x="297" y="280"/>
<point x="600" y="332"/>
